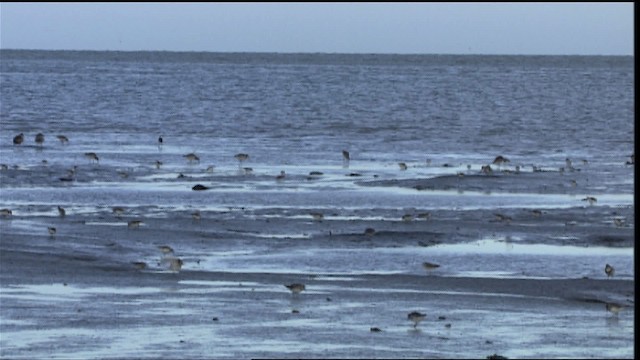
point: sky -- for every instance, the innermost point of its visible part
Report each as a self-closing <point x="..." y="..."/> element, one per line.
<point x="402" y="28"/>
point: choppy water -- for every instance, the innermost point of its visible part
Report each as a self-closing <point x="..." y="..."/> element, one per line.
<point x="296" y="113"/>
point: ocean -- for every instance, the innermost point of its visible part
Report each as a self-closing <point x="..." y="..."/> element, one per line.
<point x="565" y="123"/>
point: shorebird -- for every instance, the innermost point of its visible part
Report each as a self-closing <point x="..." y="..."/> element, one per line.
<point x="407" y="217"/>
<point x="209" y="169"/>
<point x="133" y="224"/>
<point x="590" y="199"/>
<point x="369" y="231"/>
<point x="39" y="138"/>
<point x="91" y="156"/>
<point x="402" y="165"/>
<point x="191" y="157"/>
<point x="5" y="212"/>
<point x="166" y="249"/>
<point x="140" y="265"/>
<point x="568" y="164"/>
<point x="345" y="155"/>
<point x="199" y="187"/>
<point x="536" y="212"/>
<point x="618" y="222"/>
<point x="609" y="270"/>
<point x="295" y="288"/>
<point x="175" y="264"/>
<point x="247" y="170"/>
<point x="241" y="157"/>
<point x="63" y="139"/>
<point x="61" y="211"/>
<point x="499" y="160"/>
<point x="613" y="308"/>
<point x="18" y="139"/>
<point x="424" y="215"/>
<point x="416" y="317"/>
<point x="573" y="183"/>
<point x="160" y="140"/>
<point x="117" y="211"/>
<point x="158" y="164"/>
<point x="281" y="176"/>
<point x="486" y="169"/>
<point x="52" y="231"/>
<point x="317" y="216"/>
<point x="196" y="215"/>
<point x="631" y="161"/>
<point x="429" y="266"/>
<point x="501" y="217"/>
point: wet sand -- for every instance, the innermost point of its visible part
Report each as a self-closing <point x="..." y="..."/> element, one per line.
<point x="78" y="294"/>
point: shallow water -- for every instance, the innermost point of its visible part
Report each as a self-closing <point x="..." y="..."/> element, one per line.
<point x="77" y="294"/>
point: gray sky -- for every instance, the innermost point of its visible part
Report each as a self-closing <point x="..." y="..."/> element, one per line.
<point x="415" y="28"/>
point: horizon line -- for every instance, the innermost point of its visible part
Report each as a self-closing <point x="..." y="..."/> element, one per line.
<point x="306" y="52"/>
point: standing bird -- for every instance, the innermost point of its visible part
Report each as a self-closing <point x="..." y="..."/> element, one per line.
<point x="61" y="211"/>
<point x="63" y="139"/>
<point x="160" y="140"/>
<point x="52" y="231"/>
<point x="39" y="139"/>
<point x="403" y="166"/>
<point x="416" y="317"/>
<point x="345" y="155"/>
<point x="191" y="157"/>
<point x="18" y="139"/>
<point x="91" y="156"/>
<point x="429" y="266"/>
<point x="175" y="264"/>
<point x="295" y="288"/>
<point x="281" y="176"/>
<point x="613" y="308"/>
<point x="499" y="160"/>
<point x="609" y="270"/>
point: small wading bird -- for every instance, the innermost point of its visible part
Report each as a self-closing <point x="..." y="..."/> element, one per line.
<point x="199" y="187"/>
<point x="140" y="265"/>
<point x="486" y="169"/>
<point x="429" y="266"/>
<point x="345" y="155"/>
<point x="5" y="212"/>
<point x="369" y="231"/>
<point x="117" y="211"/>
<point x="613" y="308"/>
<point x="241" y="157"/>
<point x="416" y="317"/>
<point x="317" y="216"/>
<point x="407" y="217"/>
<point x="133" y="224"/>
<point x="18" y="139"/>
<point x="281" y="176"/>
<point x="175" y="264"/>
<point x="196" y="215"/>
<point x="499" y="160"/>
<point x="92" y="156"/>
<point x="295" y="288"/>
<point x="590" y="199"/>
<point x="609" y="270"/>
<point x="39" y="139"/>
<point x="52" y="231"/>
<point x="191" y="157"/>
<point x="63" y="139"/>
<point x="403" y="166"/>
<point x="61" y="212"/>
<point x="166" y="249"/>
<point x="631" y="161"/>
